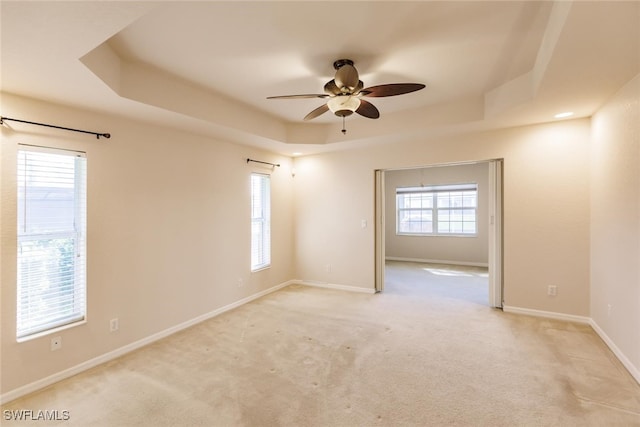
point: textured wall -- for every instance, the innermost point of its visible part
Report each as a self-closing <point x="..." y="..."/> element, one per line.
<point x="168" y="232"/>
<point x="615" y="221"/>
<point x="546" y="209"/>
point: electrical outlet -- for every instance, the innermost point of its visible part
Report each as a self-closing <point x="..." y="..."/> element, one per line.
<point x="328" y="268"/>
<point x="608" y="309"/>
<point x="552" y="290"/>
<point x="56" y="343"/>
<point x="114" y="325"/>
<point x="240" y="282"/>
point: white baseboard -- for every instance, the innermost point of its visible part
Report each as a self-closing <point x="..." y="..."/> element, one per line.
<point x="633" y="370"/>
<point x="37" y="385"/>
<point x="547" y="314"/>
<point x="437" y="261"/>
<point x="335" y="286"/>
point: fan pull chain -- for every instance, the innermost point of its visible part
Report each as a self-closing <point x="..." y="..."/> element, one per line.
<point x="344" y="131"/>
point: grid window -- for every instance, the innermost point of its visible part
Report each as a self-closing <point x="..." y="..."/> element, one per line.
<point x="51" y="279"/>
<point x="437" y="210"/>
<point x="260" y="221"/>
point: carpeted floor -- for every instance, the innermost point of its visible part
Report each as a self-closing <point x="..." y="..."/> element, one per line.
<point x="426" y="352"/>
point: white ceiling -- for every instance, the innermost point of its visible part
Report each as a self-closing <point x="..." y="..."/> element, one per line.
<point x="208" y="66"/>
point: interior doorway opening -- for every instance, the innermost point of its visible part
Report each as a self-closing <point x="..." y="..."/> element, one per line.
<point x="447" y="283"/>
<point x="445" y="243"/>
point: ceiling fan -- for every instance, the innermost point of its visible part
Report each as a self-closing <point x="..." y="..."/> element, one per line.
<point x="345" y="92"/>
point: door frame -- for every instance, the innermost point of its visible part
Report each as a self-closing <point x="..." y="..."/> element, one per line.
<point x="496" y="285"/>
<point x="379" y="230"/>
<point x="496" y="214"/>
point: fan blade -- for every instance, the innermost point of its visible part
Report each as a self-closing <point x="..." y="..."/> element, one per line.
<point x="358" y="87"/>
<point x="309" y="95"/>
<point x="318" y="111"/>
<point x="392" y="89"/>
<point x="347" y="77"/>
<point x="331" y="88"/>
<point x="368" y="110"/>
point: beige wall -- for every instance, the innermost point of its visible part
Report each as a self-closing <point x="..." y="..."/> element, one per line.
<point x="546" y="209"/>
<point x="168" y="241"/>
<point x="448" y="249"/>
<point x="168" y="232"/>
<point x="615" y="221"/>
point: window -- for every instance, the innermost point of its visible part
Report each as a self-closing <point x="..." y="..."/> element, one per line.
<point x="51" y="279"/>
<point x="437" y="210"/>
<point x="260" y="221"/>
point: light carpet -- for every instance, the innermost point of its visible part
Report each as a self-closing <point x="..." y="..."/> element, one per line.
<point x="426" y="352"/>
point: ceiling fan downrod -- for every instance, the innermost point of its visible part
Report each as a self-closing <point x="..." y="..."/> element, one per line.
<point x="340" y="62"/>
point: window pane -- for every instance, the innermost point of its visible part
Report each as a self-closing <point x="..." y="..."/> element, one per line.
<point x="469" y="215"/>
<point x="51" y="284"/>
<point x="470" y="199"/>
<point x="456" y="200"/>
<point x="260" y="221"/>
<point x="415" y="202"/>
<point x="46" y="271"/>
<point x="415" y="221"/>
<point x="428" y="200"/>
<point x="443" y="200"/>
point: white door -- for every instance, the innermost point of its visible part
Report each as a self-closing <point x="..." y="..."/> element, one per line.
<point x="495" y="233"/>
<point x="379" y="225"/>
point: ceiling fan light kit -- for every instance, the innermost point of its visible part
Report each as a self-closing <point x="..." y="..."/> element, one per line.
<point x="345" y="94"/>
<point x="343" y="105"/>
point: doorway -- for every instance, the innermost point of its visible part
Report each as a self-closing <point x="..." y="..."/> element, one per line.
<point x="485" y="244"/>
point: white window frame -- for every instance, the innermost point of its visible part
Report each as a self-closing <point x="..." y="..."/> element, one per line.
<point x="431" y="207"/>
<point x="260" y="221"/>
<point x="51" y="285"/>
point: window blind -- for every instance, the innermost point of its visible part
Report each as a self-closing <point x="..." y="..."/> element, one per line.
<point x="437" y="188"/>
<point x="260" y="221"/>
<point x="51" y="279"/>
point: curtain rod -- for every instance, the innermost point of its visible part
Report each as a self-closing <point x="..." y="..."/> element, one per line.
<point x="264" y="163"/>
<point x="97" y="134"/>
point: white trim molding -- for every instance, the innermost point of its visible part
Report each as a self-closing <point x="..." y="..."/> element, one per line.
<point x="91" y="363"/>
<point x="633" y="370"/>
<point x="547" y="314"/>
<point x="335" y="286"/>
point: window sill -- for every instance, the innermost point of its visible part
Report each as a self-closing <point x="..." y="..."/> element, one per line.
<point x="51" y="331"/>
<point x="259" y="269"/>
